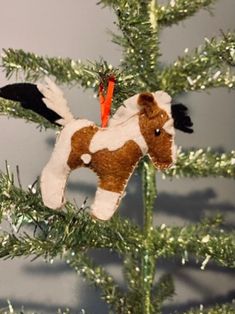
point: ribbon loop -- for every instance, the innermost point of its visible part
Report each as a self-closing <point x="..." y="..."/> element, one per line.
<point x="106" y="101"/>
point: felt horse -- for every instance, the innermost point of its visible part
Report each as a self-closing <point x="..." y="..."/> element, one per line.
<point x="144" y="125"/>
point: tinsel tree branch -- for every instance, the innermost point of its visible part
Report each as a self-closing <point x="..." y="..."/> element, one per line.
<point x="69" y="71"/>
<point x="110" y="292"/>
<point x="160" y="291"/>
<point x="132" y="272"/>
<point x="35" y="67"/>
<point x="138" y="40"/>
<point x="204" y="241"/>
<point x="164" y="289"/>
<point x="75" y="231"/>
<point x="148" y="261"/>
<point x="217" y="309"/>
<point x="209" y="66"/>
<point x="177" y="10"/>
<point x="11" y="310"/>
<point x="203" y="163"/>
<point x="70" y="230"/>
<point x="55" y="236"/>
<point x="14" y="110"/>
<point x="48" y="243"/>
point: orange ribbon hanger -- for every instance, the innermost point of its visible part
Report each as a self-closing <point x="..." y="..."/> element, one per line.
<point x="106" y="101"/>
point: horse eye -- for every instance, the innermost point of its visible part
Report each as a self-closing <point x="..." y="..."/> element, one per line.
<point x="157" y="132"/>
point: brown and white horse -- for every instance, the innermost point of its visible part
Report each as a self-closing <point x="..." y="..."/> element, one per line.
<point x="142" y="126"/>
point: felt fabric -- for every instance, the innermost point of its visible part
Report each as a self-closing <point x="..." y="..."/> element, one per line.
<point x="115" y="151"/>
<point x="144" y="125"/>
<point x="86" y="158"/>
<point x="30" y="98"/>
<point x="112" y="167"/>
<point x="182" y="120"/>
<point x="124" y="112"/>
<point x="115" y="137"/>
<point x="161" y="148"/>
<point x="55" y="174"/>
<point x="163" y="100"/>
<point x="54" y="100"/>
<point x="105" y="204"/>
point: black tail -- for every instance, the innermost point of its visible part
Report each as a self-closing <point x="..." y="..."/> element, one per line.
<point x="182" y="120"/>
<point x="30" y="98"/>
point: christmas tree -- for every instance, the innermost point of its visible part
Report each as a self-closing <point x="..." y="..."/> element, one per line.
<point x="71" y="233"/>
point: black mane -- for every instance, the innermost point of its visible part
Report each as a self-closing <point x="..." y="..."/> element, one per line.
<point x="182" y="120"/>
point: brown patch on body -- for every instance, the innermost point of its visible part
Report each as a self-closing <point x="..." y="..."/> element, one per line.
<point x="80" y="142"/>
<point x="115" y="167"/>
<point x="112" y="167"/>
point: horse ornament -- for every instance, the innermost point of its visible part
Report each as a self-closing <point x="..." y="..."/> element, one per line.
<point x="144" y="125"/>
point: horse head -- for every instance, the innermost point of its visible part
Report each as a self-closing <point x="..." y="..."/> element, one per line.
<point x="157" y="128"/>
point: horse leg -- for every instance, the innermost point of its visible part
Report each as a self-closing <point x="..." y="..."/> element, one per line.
<point x="53" y="180"/>
<point x="56" y="172"/>
<point x="105" y="204"/>
<point x="108" y="196"/>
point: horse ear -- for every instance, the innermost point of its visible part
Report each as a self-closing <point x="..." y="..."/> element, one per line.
<point x="147" y="102"/>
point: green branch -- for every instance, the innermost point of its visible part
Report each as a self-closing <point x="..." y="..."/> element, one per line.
<point x="217" y="309"/>
<point x="138" y="26"/>
<point x="178" y="10"/>
<point x="163" y="290"/>
<point x="35" y="67"/>
<point x="14" y="110"/>
<point x="204" y="240"/>
<point x="74" y="229"/>
<point x="205" y="68"/>
<point x="110" y="292"/>
<point x="59" y="231"/>
<point x="203" y="163"/>
<point x="148" y="260"/>
<point x="132" y="275"/>
<point x="69" y="71"/>
<point x="80" y="233"/>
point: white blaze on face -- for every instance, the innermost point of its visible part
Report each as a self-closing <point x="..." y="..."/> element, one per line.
<point x="164" y="102"/>
<point x="169" y="127"/>
<point x="174" y="153"/>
